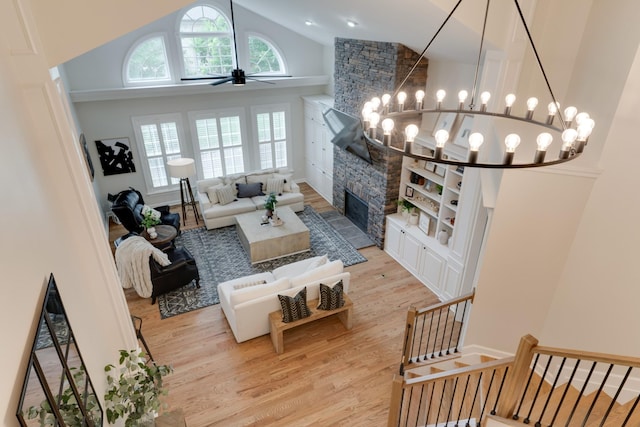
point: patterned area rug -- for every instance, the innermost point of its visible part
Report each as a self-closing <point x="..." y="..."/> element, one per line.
<point x="220" y="257"/>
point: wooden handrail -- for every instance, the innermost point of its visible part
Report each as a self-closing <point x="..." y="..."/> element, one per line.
<point x="591" y="356"/>
<point x="461" y="298"/>
<point x="459" y="372"/>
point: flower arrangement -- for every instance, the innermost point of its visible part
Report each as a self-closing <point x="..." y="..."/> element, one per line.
<point x="270" y="202"/>
<point x="150" y="217"/>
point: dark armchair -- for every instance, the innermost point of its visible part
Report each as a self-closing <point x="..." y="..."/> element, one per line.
<point x="127" y="207"/>
<point x="180" y="272"/>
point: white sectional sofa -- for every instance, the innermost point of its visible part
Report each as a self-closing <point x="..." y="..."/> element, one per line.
<point x="217" y="214"/>
<point x="247" y="301"/>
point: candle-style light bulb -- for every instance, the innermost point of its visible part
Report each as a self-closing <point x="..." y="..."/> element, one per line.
<point x="475" y="141"/>
<point x="462" y="97"/>
<point x="508" y="102"/>
<point x="375" y="103"/>
<point x="511" y="141"/>
<point x="484" y="99"/>
<point x="543" y="140"/>
<point x="410" y="133"/>
<point x="570" y="114"/>
<point x="387" y="127"/>
<point x="552" y="108"/>
<point x="532" y="103"/>
<point x="374" y="119"/>
<point x="366" y="113"/>
<point x="580" y="117"/>
<point x="385" y="102"/>
<point x="440" y="94"/>
<point x="569" y="136"/>
<point x="584" y="131"/>
<point x="402" y="96"/>
<point x="441" y="136"/>
<point x="419" y="99"/>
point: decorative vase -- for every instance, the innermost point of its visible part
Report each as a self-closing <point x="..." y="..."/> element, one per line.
<point x="269" y="213"/>
<point x="152" y="232"/>
<point x="413" y="218"/>
<point x="443" y="237"/>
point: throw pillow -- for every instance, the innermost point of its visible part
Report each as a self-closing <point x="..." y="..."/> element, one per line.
<point x="275" y="185"/>
<point x="294" y="308"/>
<point x="213" y="194"/>
<point x="225" y="195"/>
<point x="262" y="178"/>
<point x="232" y="180"/>
<point x="317" y="262"/>
<point x="287" y="180"/>
<point x="249" y="284"/>
<point x="331" y="297"/>
<point x="249" y="190"/>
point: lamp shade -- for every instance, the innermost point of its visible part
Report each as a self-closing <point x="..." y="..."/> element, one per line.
<point x="182" y="167"/>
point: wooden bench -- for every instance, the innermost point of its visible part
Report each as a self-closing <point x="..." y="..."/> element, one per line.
<point x="278" y="327"/>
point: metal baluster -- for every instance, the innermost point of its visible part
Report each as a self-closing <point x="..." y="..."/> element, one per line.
<point x="535" y="397"/>
<point x="566" y="390"/>
<point x="420" y="342"/>
<point x="433" y="389"/>
<point x="455" y="316"/>
<point x="526" y="387"/>
<point x="466" y="304"/>
<point x="584" y="386"/>
<point x="475" y="397"/>
<point x="419" y="404"/>
<point x="444" y="387"/>
<point x="404" y="350"/>
<point x="453" y="398"/>
<point x="553" y="388"/>
<point x="426" y="346"/>
<point x="486" y="397"/>
<point x="435" y="339"/>
<point x="633" y="408"/>
<point x="406" y="419"/>
<point x="444" y="332"/>
<point x="464" y="395"/>
<point x="595" y="398"/>
<point x="495" y="404"/>
<point x="615" y="398"/>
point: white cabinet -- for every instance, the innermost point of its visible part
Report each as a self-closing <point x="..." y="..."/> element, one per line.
<point x="431" y="269"/>
<point x="318" y="146"/>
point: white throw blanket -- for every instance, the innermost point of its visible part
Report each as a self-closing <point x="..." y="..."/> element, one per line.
<point x="132" y="261"/>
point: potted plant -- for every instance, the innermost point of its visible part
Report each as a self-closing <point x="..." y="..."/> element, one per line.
<point x="270" y="204"/>
<point x="150" y="218"/>
<point x="406" y="206"/>
<point x="134" y="389"/>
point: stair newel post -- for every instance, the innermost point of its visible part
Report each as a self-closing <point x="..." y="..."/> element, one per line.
<point x="408" y="339"/>
<point x="396" y="401"/>
<point x="517" y="376"/>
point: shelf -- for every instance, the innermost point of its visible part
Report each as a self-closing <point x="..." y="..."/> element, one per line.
<point x="427" y="174"/>
<point x="454" y="190"/>
<point x="423" y="207"/>
<point x="452" y="207"/>
<point x="446" y="224"/>
<point x="420" y="189"/>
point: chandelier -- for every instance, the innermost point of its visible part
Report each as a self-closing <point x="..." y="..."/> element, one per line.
<point x="571" y="128"/>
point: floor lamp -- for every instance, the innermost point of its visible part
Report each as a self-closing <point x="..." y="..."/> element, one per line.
<point x="183" y="168"/>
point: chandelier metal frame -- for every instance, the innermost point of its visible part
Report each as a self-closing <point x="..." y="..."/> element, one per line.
<point x="574" y="128"/>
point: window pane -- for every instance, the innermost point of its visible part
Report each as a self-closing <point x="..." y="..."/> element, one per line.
<point x="151" y="140"/>
<point x="207" y="130"/>
<point x="233" y="160"/>
<point x="281" y="154"/>
<point x="207" y="55"/>
<point x="170" y="138"/>
<point x="263" y="58"/>
<point x="148" y="61"/>
<point x="266" y="158"/>
<point x="230" y="130"/>
<point x="157" y="171"/>
<point x="203" y="19"/>
<point x="279" y="128"/>
<point x="264" y="127"/>
<point x="211" y="163"/>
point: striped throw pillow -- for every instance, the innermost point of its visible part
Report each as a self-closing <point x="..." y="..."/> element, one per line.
<point x="294" y="308"/>
<point x="331" y="297"/>
<point x="275" y="185"/>
<point x="225" y="195"/>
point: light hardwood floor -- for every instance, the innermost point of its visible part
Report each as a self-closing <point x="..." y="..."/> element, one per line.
<point x="327" y="376"/>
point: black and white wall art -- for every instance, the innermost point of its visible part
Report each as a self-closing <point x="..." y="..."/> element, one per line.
<point x="115" y="156"/>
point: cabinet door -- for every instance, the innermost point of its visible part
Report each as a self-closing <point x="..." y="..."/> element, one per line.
<point x="393" y="239"/>
<point x="313" y="175"/>
<point x="431" y="269"/>
<point x="452" y="279"/>
<point x="326" y="186"/>
<point x="327" y="154"/>
<point x="411" y="250"/>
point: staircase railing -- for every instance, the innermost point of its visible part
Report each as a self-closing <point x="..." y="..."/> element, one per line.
<point x="541" y="386"/>
<point x="434" y="331"/>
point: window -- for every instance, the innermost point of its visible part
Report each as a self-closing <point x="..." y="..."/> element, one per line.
<point x="206" y="40"/>
<point x="218" y="144"/>
<point x="147" y="62"/>
<point x="158" y="139"/>
<point x="270" y="124"/>
<point x="264" y="58"/>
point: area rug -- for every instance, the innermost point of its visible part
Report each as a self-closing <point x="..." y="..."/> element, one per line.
<point x="221" y="257"/>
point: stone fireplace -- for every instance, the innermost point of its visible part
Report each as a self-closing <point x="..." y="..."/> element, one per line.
<point x="362" y="70"/>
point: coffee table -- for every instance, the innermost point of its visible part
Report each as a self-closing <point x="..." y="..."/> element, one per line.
<point x="266" y="242"/>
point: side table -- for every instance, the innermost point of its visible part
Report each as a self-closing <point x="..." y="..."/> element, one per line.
<point x="166" y="234"/>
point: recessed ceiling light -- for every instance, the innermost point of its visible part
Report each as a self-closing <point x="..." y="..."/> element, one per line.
<point x="308" y="22"/>
<point x="351" y="23"/>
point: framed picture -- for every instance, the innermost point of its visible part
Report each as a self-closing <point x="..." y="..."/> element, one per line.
<point x="408" y="191"/>
<point x="423" y="222"/>
<point x="430" y="166"/>
<point x="462" y="136"/>
<point x="87" y="157"/>
<point x="440" y="170"/>
<point x="115" y="156"/>
<point x="445" y="121"/>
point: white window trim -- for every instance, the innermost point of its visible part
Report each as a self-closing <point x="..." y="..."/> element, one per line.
<point x="138" y="121"/>
<point x="245" y="50"/>
<point x="210" y="114"/>
<point x="167" y="54"/>
<point x="270" y="108"/>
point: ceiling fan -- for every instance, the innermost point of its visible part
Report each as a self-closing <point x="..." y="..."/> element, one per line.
<point x="238" y="76"/>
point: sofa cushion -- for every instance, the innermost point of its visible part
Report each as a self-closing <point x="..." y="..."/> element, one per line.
<point x="287" y="179"/>
<point x="331" y="296"/>
<point x="234" y="208"/>
<point x="232" y="180"/>
<point x="213" y="194"/>
<point x="317" y="262"/>
<point x="275" y="185"/>
<point x="225" y="195"/>
<point x="293" y="269"/>
<point x="209" y="182"/>
<point x="260" y="177"/>
<point x="249" y="190"/>
<point x="249" y="284"/>
<point x="250" y="293"/>
<point x="294" y="308"/>
<point x="329" y="269"/>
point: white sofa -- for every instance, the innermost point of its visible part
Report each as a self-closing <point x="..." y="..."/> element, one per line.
<point x="218" y="215"/>
<point x="247" y="301"/>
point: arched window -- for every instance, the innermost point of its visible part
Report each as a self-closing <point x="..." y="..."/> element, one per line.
<point x="206" y="41"/>
<point x="264" y="58"/>
<point x="147" y="62"/>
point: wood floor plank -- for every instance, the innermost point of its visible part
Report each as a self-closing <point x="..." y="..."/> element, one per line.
<point x="327" y="376"/>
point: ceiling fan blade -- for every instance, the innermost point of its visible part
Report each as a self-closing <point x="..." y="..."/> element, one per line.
<point x="258" y="80"/>
<point x="219" y="82"/>
<point x="186" y="79"/>
<point x="266" y="76"/>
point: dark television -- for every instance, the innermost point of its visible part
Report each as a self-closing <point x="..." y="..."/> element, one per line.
<point x="347" y="133"/>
